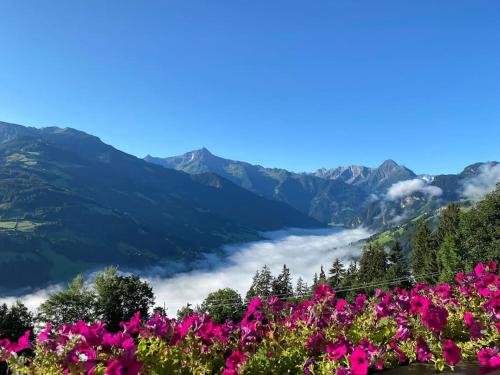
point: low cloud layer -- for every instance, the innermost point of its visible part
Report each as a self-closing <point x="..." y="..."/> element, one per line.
<point x="477" y="187"/>
<point x="302" y="250"/>
<point x="32" y="300"/>
<point x="402" y="189"/>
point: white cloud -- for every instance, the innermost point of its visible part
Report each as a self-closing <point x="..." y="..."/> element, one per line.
<point x="477" y="187"/>
<point x="402" y="189"/>
<point x="32" y="300"/>
<point x="302" y="250"/>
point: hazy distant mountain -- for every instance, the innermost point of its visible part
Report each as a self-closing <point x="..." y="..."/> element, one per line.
<point x="329" y="201"/>
<point x="353" y="195"/>
<point x="69" y="202"/>
<point x="339" y="195"/>
<point x="373" y="180"/>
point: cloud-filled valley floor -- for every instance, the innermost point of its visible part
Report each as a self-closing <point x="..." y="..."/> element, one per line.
<point x="303" y="251"/>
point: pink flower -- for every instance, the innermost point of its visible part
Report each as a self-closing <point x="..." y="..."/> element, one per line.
<point x="479" y="269"/>
<point x="323" y="292"/>
<point x="234" y="361"/>
<point x="451" y="352"/>
<point x="343" y="371"/>
<point x="489" y="358"/>
<point x="435" y="318"/>
<point x="341" y="303"/>
<point x="423" y="352"/>
<point x="474" y="326"/>
<point x="336" y="351"/>
<point x="133" y="325"/>
<point x="359" y="302"/>
<point x="418" y="304"/>
<point x="123" y="366"/>
<point x="316" y="343"/>
<point x="45" y="334"/>
<point x="401" y="356"/>
<point x="358" y="362"/>
<point x="22" y="343"/>
<point x="443" y="290"/>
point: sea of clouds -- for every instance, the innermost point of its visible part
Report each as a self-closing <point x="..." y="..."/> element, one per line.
<point x="302" y="250"/>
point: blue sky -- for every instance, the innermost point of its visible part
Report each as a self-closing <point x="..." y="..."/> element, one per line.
<point x="293" y="84"/>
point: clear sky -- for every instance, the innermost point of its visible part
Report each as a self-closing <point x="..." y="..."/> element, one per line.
<point x="285" y="83"/>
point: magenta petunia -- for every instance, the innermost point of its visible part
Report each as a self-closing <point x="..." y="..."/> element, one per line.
<point x="336" y="350"/>
<point x="435" y="318"/>
<point x="418" y="304"/>
<point x="359" y="362"/>
<point x="423" y="352"/>
<point x="451" y="352"/>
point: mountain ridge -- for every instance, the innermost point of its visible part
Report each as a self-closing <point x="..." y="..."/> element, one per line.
<point x="70" y="202"/>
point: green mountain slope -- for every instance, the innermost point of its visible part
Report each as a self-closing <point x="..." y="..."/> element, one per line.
<point x="69" y="202"/>
<point x="329" y="201"/>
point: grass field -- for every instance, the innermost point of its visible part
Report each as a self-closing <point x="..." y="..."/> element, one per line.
<point x="21" y="225"/>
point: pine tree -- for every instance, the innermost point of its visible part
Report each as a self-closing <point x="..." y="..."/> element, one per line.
<point x="424" y="254"/>
<point x="349" y="281"/>
<point x="315" y="280"/>
<point x="372" y="266"/>
<point x="301" y="290"/>
<point x="336" y="274"/>
<point x="398" y="268"/>
<point x="261" y="284"/>
<point x="449" y="222"/>
<point x="449" y="260"/>
<point x="322" y="276"/>
<point x="282" y="284"/>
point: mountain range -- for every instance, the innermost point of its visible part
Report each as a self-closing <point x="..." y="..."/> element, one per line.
<point x="345" y="196"/>
<point x="70" y="203"/>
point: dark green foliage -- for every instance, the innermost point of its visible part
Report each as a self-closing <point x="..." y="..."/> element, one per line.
<point x="120" y="297"/>
<point x="372" y="266"/>
<point x="398" y="268"/>
<point x="424" y="254"/>
<point x="350" y="281"/>
<point x="450" y="262"/>
<point x="222" y="305"/>
<point x="282" y="284"/>
<point x="336" y="274"/>
<point x="449" y="222"/>
<point x="185" y="311"/>
<point x="479" y="233"/>
<point x="322" y="276"/>
<point x="261" y="284"/>
<point x="75" y="303"/>
<point x="14" y="321"/>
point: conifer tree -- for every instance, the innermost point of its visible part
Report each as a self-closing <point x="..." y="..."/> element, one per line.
<point x="261" y="284"/>
<point x="322" y="276"/>
<point x="449" y="260"/>
<point x="349" y="281"/>
<point x="398" y="268"/>
<point x="424" y="254"/>
<point x="315" y="280"/>
<point x="372" y="265"/>
<point x="336" y="274"/>
<point x="282" y="284"/>
<point x="449" y="222"/>
<point x="301" y="290"/>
